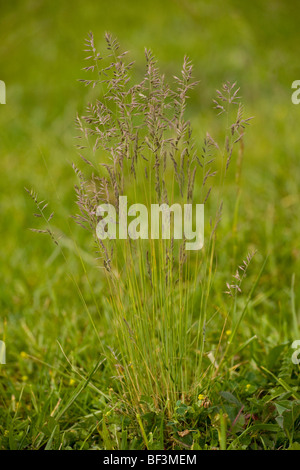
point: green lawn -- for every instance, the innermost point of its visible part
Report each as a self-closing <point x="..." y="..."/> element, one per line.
<point x="52" y="394"/>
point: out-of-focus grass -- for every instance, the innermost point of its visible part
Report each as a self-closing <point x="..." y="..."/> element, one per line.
<point x="41" y="50"/>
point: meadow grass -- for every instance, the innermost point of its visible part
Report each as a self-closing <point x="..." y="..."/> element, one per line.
<point x="57" y="390"/>
<point x="135" y="141"/>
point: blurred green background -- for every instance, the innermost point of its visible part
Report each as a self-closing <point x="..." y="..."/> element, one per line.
<point x="41" y="50"/>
